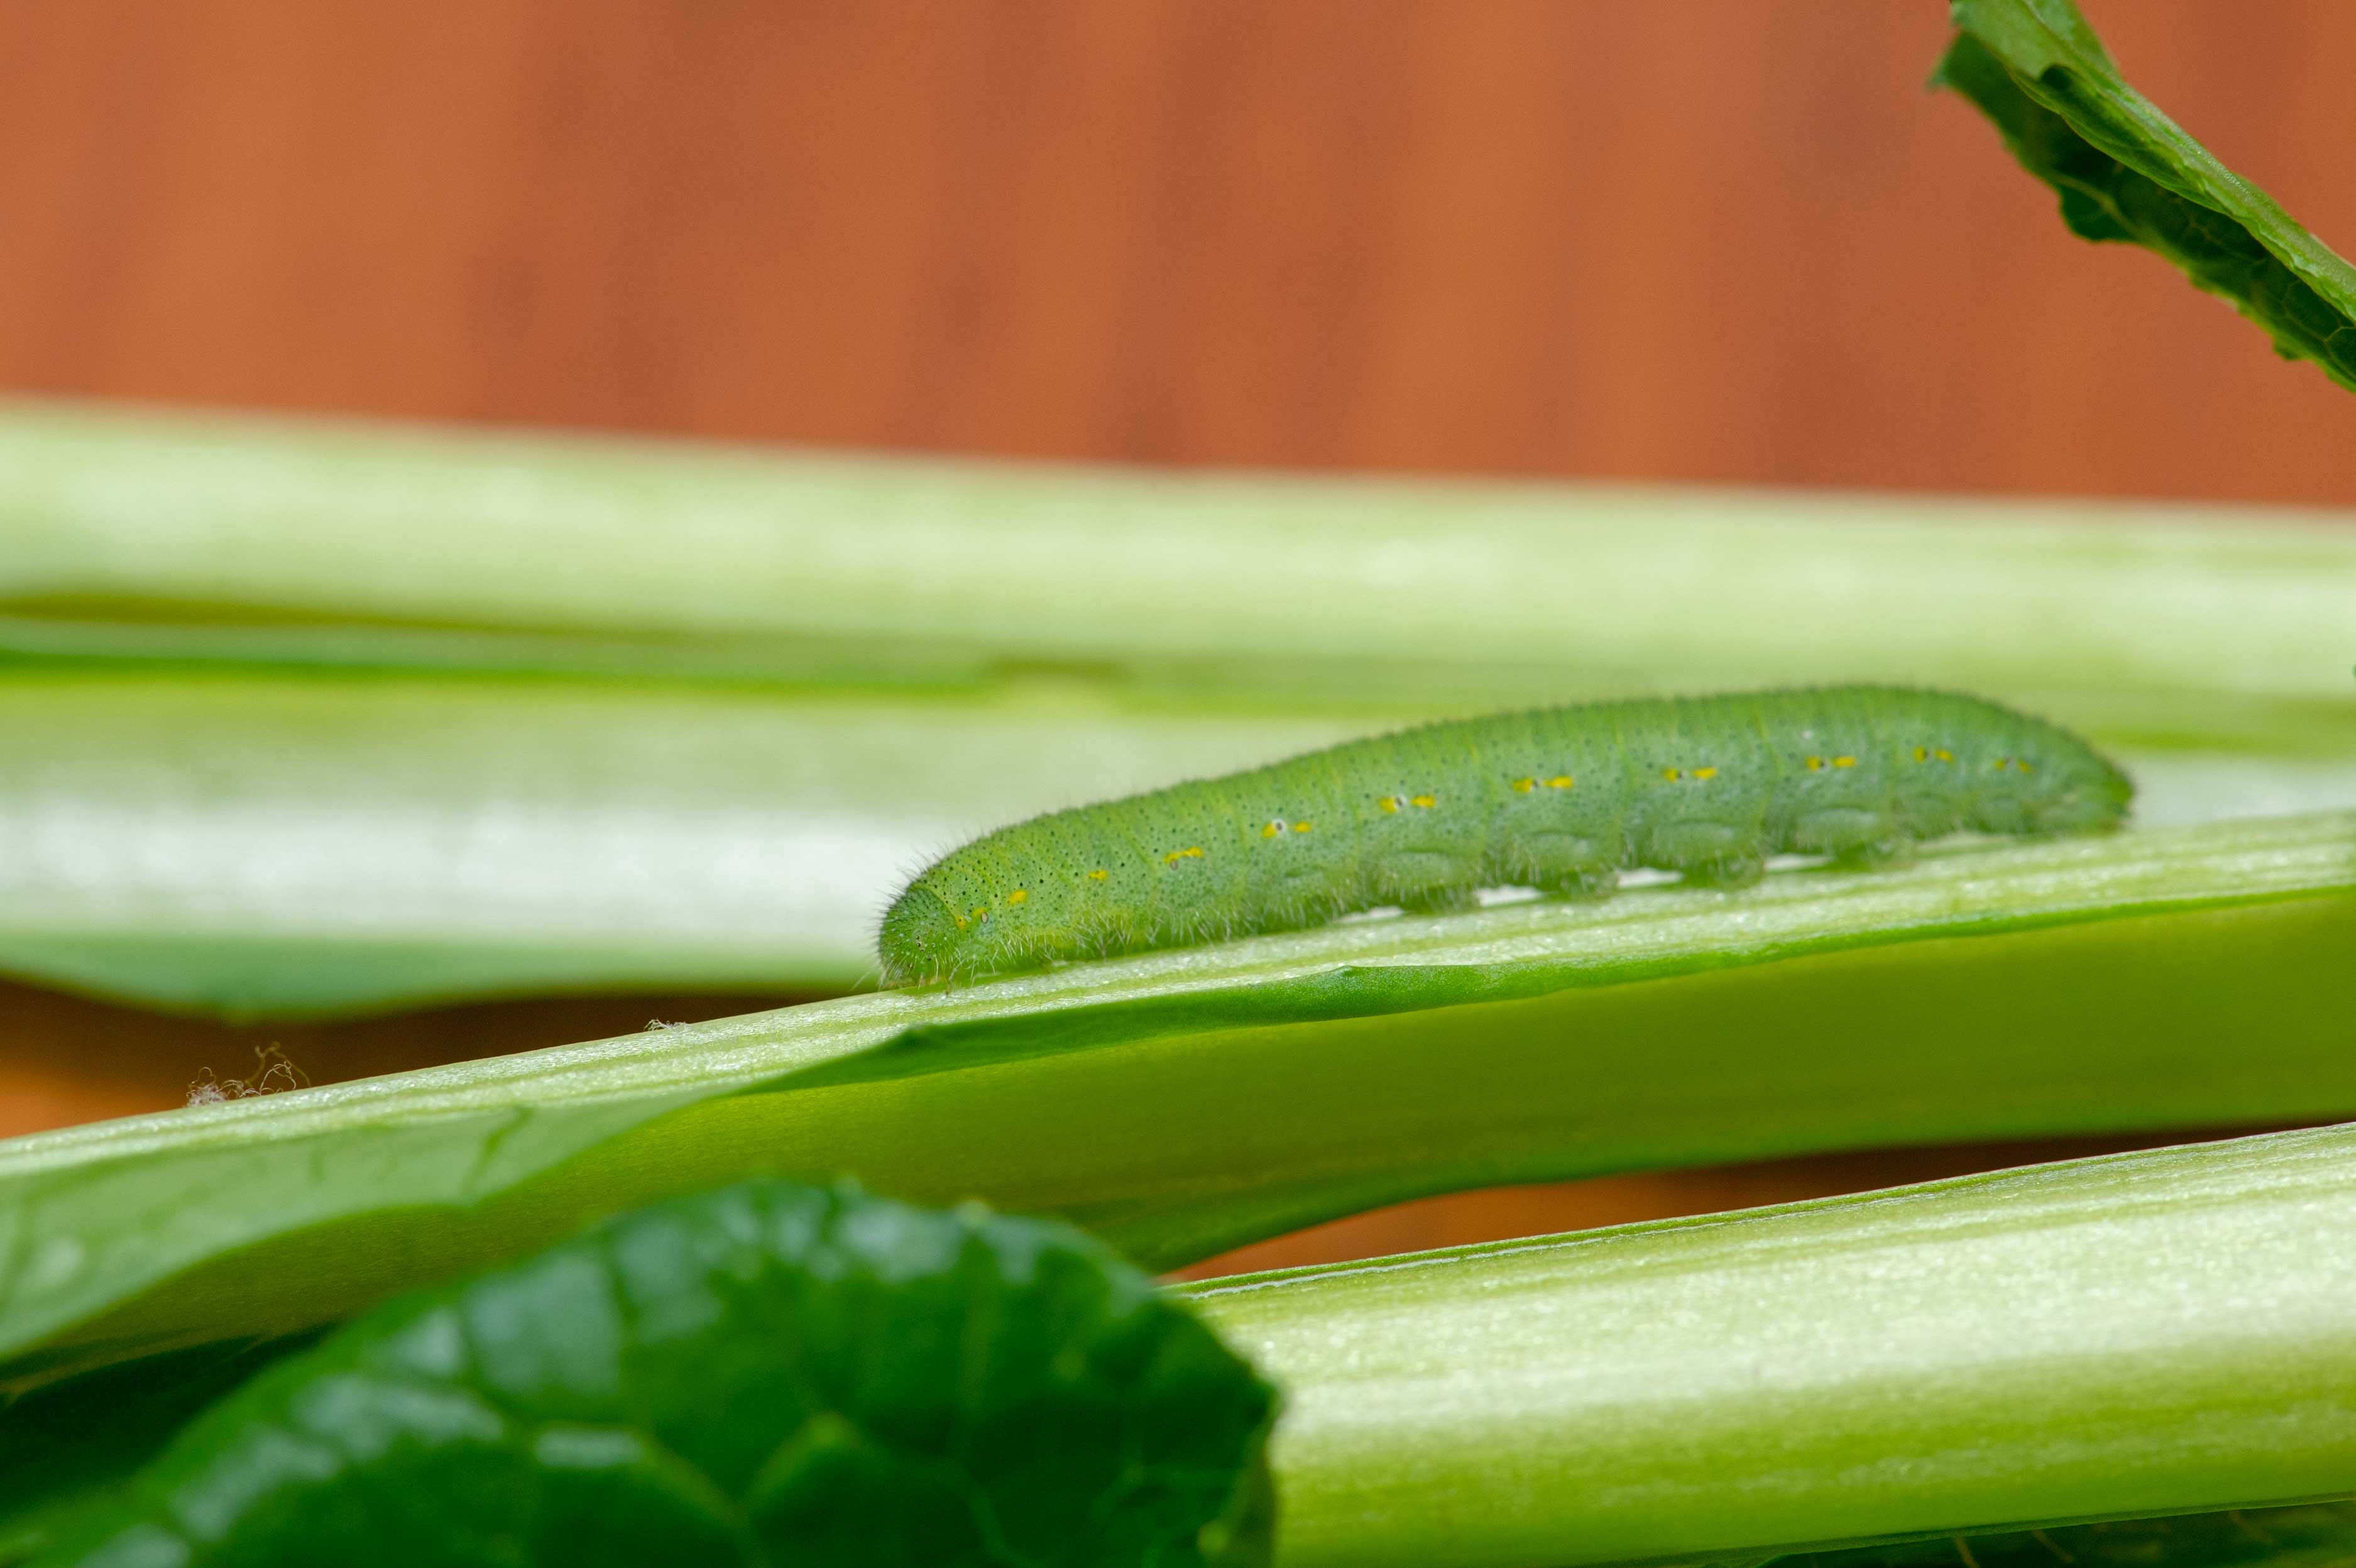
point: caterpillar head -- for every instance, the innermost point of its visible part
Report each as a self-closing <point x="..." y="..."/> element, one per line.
<point x="2084" y="792"/>
<point x="921" y="935"/>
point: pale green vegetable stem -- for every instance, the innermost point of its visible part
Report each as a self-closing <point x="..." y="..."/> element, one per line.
<point x="2159" y="1332"/>
<point x="329" y="716"/>
<point x="1184" y="1101"/>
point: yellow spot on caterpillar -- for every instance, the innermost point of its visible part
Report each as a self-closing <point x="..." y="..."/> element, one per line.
<point x="1427" y="801"/>
<point x="962" y="920"/>
<point x="2002" y="763"/>
<point x="1523" y="786"/>
<point x="1018" y="895"/>
<point x="1943" y="755"/>
<point x="1843" y="762"/>
<point x="1673" y="772"/>
<point x="1302" y="827"/>
<point x="1389" y="802"/>
<point x="1192" y="852"/>
<point x="1922" y="754"/>
<point x="1271" y="831"/>
<point x="1816" y="764"/>
<point x="1560" y="782"/>
<point x="1099" y="875"/>
<point x="1704" y="772"/>
<point x="2024" y="767"/>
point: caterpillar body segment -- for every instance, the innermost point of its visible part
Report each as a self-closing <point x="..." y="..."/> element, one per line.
<point x="1560" y="798"/>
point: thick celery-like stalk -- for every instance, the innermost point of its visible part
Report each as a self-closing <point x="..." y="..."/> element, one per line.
<point x="2165" y="1331"/>
<point x="1185" y="1101"/>
<point x="274" y="842"/>
<point x="153" y="537"/>
<point x="322" y="716"/>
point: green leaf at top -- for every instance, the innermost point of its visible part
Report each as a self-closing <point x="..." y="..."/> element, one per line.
<point x="770" y="1373"/>
<point x="2126" y="171"/>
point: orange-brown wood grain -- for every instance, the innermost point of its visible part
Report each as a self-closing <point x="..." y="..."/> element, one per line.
<point x="65" y="1060"/>
<point x="1703" y="239"/>
<point x="1711" y="240"/>
<point x="1508" y="1211"/>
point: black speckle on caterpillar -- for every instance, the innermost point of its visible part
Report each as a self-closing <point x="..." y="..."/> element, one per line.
<point x="1561" y="799"/>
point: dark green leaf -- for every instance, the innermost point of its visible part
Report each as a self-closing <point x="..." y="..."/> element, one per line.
<point x="768" y="1373"/>
<point x="63" y="1446"/>
<point x="2126" y="171"/>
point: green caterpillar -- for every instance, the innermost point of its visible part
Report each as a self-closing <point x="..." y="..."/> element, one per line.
<point x="1561" y="799"/>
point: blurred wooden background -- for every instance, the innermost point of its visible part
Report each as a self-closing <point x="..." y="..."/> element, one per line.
<point x="1727" y="239"/>
<point x="1699" y="239"/>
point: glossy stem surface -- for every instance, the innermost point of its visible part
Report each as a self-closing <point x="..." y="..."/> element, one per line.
<point x="1184" y="1102"/>
<point x="2162" y="1331"/>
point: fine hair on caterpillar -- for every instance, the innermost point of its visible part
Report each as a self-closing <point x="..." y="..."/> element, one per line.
<point x="1561" y="799"/>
